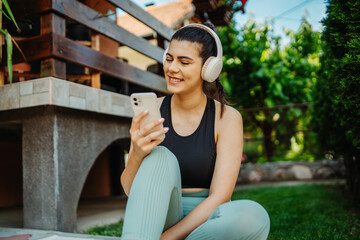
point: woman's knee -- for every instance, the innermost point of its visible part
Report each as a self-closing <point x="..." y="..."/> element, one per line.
<point x="244" y="219"/>
<point x="161" y="159"/>
<point x="253" y="219"/>
<point x="163" y="155"/>
<point x="162" y="151"/>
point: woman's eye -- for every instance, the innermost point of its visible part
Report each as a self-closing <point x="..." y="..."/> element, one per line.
<point x="168" y="59"/>
<point x="184" y="63"/>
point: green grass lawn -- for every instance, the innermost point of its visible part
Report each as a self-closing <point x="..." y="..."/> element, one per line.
<point x="307" y="211"/>
<point x="298" y="212"/>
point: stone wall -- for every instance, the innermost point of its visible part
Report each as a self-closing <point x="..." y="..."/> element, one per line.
<point x="287" y="170"/>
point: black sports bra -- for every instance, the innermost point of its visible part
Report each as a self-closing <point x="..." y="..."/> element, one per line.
<point x="196" y="153"/>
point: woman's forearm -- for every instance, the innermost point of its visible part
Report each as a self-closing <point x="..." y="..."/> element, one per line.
<point x="129" y="173"/>
<point x="194" y="219"/>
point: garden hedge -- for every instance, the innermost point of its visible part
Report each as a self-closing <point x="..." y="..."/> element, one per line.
<point x="337" y="94"/>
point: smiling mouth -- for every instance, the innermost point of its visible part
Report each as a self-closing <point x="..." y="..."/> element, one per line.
<point x="176" y="80"/>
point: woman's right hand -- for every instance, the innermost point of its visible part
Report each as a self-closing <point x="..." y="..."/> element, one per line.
<point x="142" y="139"/>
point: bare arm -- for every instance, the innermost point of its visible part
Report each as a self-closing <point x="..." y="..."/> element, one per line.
<point x="142" y="142"/>
<point x="229" y="152"/>
<point x="128" y="175"/>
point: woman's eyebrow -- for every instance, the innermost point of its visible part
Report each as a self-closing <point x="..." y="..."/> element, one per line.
<point x="185" y="57"/>
<point x="180" y="57"/>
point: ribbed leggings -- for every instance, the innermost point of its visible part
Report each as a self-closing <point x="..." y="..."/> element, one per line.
<point x="156" y="203"/>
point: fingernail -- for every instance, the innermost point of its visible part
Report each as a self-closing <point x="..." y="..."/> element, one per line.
<point x="166" y="129"/>
<point x="161" y="119"/>
<point x="146" y="111"/>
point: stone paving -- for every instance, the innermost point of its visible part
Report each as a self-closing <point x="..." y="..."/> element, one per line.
<point x="90" y="213"/>
<point x="31" y="234"/>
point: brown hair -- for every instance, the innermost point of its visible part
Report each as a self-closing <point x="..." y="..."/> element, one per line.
<point x="214" y="89"/>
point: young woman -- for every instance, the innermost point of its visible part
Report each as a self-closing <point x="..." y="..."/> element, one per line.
<point x="182" y="188"/>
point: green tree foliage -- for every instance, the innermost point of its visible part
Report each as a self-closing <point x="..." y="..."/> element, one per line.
<point x="337" y="98"/>
<point x="259" y="73"/>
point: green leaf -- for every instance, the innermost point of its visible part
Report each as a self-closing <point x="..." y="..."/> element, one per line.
<point x="3" y="31"/>
<point x="9" y="48"/>
<point x="8" y="9"/>
<point x="5" y="14"/>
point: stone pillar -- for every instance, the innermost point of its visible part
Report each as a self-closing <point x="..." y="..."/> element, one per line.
<point x="41" y="173"/>
<point x="59" y="147"/>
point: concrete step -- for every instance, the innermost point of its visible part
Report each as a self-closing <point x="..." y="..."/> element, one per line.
<point x="91" y="213"/>
<point x="31" y="234"/>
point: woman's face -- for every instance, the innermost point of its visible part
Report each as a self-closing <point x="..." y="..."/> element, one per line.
<point x="182" y="67"/>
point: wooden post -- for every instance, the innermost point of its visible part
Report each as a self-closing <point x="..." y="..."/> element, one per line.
<point x="95" y="75"/>
<point x="51" y="22"/>
<point x="2" y="75"/>
<point x="2" y="78"/>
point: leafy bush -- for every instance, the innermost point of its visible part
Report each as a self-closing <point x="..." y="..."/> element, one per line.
<point x="337" y="95"/>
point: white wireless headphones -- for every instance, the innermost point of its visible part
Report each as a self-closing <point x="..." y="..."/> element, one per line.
<point x="213" y="65"/>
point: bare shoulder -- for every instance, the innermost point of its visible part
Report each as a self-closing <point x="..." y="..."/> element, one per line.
<point x="230" y="115"/>
<point x="228" y="128"/>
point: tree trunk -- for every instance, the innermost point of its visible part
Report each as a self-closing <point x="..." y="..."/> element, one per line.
<point x="352" y="163"/>
<point x="268" y="143"/>
<point x="266" y="128"/>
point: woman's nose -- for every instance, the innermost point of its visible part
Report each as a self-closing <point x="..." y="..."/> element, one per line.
<point x="173" y="66"/>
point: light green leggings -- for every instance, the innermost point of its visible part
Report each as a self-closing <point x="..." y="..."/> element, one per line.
<point x="156" y="203"/>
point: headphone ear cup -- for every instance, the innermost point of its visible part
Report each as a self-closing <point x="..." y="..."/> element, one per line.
<point x="211" y="69"/>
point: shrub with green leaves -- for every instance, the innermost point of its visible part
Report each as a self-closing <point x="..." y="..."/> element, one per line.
<point x="337" y="95"/>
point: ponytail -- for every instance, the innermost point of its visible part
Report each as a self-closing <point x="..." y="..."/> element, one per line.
<point x="216" y="91"/>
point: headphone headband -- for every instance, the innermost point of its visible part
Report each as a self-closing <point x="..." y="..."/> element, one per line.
<point x="213" y="34"/>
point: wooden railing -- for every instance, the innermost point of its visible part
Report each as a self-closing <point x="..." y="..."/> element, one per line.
<point x="54" y="49"/>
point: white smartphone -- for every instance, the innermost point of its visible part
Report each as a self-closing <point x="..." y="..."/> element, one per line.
<point x="147" y="101"/>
